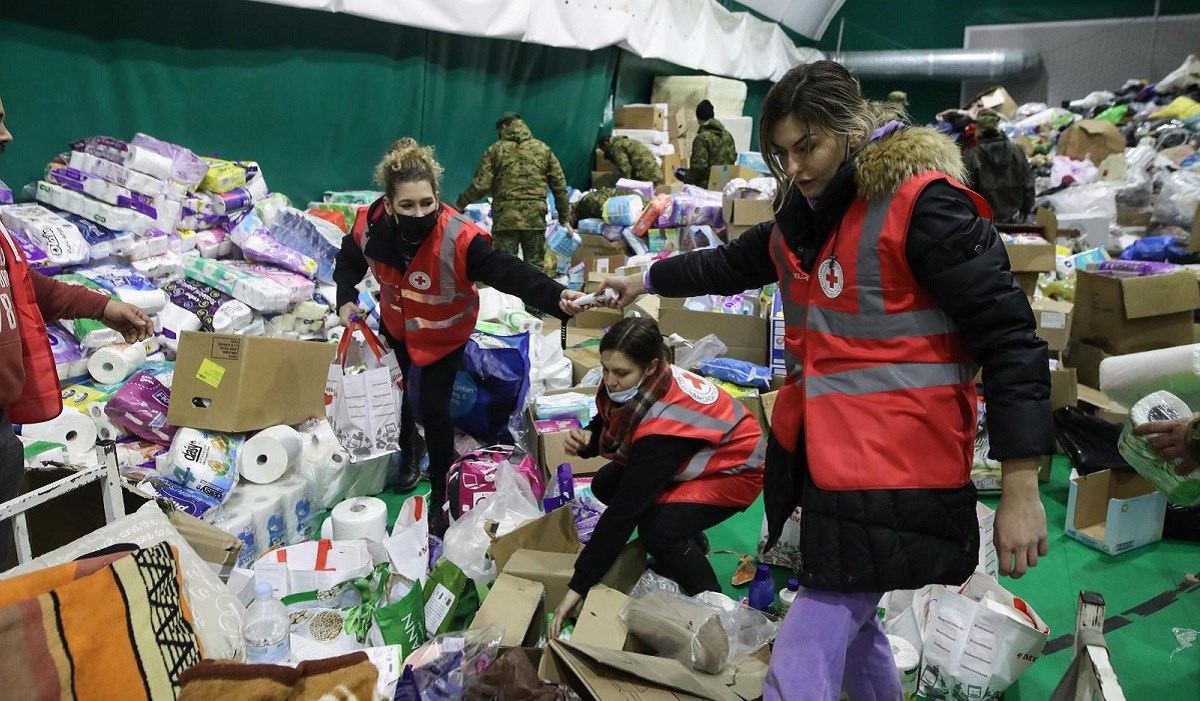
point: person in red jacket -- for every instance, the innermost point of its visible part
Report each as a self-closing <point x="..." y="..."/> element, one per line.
<point x="685" y="457"/>
<point x="427" y="258"/>
<point x="29" y="389"/>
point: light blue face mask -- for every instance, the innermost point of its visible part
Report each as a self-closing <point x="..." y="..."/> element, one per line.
<point x="624" y="395"/>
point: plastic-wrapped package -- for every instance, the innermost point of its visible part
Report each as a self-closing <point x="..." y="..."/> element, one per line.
<point x="112" y="216"/>
<point x="186" y="167"/>
<point x="259" y="244"/>
<point x="1080" y="172"/>
<point x="679" y="627"/>
<point x="138" y="158"/>
<point x="90" y="332"/>
<point x="445" y="668"/>
<point x="140" y="406"/>
<point x="1177" y="201"/>
<point x="255" y="291"/>
<point x="299" y="288"/>
<point x="623" y="210"/>
<point x="102" y="241"/>
<point x="513" y="504"/>
<point x="60" y="241"/>
<point x="312" y="237"/>
<point x="1183" y="490"/>
<point x="129" y="285"/>
<point x="739" y="372"/>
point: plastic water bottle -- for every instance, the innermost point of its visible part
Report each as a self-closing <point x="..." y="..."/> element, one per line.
<point x="266" y="632"/>
<point x="787" y="597"/>
<point x="762" y="589"/>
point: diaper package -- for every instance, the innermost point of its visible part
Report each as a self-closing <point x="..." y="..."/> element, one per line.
<point x="259" y="245"/>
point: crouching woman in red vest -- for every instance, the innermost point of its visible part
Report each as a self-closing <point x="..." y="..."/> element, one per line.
<point x="427" y="258"/>
<point x="685" y="457"/>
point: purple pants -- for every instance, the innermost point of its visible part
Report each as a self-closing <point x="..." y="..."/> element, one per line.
<point x="830" y="640"/>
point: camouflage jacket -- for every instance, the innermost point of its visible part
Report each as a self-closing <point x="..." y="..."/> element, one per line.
<point x="516" y="170"/>
<point x="713" y="146"/>
<point x="634" y="159"/>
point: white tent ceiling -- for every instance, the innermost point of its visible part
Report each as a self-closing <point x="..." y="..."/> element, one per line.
<point x="698" y="34"/>
<point x="809" y="18"/>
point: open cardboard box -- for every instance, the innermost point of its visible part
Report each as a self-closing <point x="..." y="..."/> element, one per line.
<point x="1053" y="322"/>
<point x="548" y="449"/>
<point x="719" y="176"/>
<point x="747" y="211"/>
<point x="518" y="606"/>
<point x="236" y="384"/>
<point x="745" y="336"/>
<point x="1032" y="257"/>
<point x="1128" y="315"/>
<point x="1114" y="511"/>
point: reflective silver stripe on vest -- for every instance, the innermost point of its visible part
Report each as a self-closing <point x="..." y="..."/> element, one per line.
<point x="923" y="322"/>
<point x="695" y="466"/>
<point x="434" y="299"/>
<point x="869" y="277"/>
<point x="418" y="323"/>
<point x="887" y="378"/>
<point x="674" y="412"/>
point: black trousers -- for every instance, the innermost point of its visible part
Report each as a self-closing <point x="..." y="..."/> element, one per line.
<point x="429" y="404"/>
<point x="670" y="534"/>
<point x="12" y="469"/>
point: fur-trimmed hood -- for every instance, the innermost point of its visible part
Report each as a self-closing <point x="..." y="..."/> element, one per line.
<point x="884" y="164"/>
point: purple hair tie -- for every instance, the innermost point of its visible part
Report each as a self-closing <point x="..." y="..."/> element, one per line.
<point x="889" y="128"/>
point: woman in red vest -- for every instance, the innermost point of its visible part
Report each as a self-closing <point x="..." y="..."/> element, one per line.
<point x="685" y="457"/>
<point x="894" y="286"/>
<point x="427" y="258"/>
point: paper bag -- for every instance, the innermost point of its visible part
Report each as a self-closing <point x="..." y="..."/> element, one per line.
<point x="978" y="640"/>
<point x="362" y="396"/>
<point x="408" y="545"/>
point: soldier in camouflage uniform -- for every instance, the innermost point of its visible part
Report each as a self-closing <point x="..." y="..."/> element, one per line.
<point x="591" y="205"/>
<point x="517" y="169"/>
<point x="634" y="159"/>
<point x="713" y="146"/>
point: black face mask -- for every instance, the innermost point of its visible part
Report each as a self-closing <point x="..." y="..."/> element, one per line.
<point x="414" y="230"/>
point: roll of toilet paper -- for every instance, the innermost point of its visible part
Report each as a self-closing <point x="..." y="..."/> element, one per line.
<point x="106" y="430"/>
<point x="297" y="508"/>
<point x="174" y="320"/>
<point x="114" y="364"/>
<point x="360" y="517"/>
<point x="1127" y="378"/>
<point x="264" y="504"/>
<point x="205" y="461"/>
<point x="907" y="661"/>
<point x="268" y="454"/>
<point x="523" y="321"/>
<point x="71" y="428"/>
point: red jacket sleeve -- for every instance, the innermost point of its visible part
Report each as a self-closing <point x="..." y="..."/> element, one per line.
<point x="59" y="300"/>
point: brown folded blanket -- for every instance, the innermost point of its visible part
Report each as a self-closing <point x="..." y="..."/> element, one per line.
<point x="349" y="677"/>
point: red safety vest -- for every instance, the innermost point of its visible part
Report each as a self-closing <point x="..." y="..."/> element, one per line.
<point x="40" y="398"/>
<point x="728" y="472"/>
<point x="431" y="307"/>
<point x="878" y="376"/>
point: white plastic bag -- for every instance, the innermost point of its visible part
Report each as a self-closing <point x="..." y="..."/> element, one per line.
<point x="313" y="566"/>
<point x="466" y="542"/>
<point x="1082" y="172"/>
<point x="408" y="545"/>
<point x="1177" y="201"/>
<point x="706" y="349"/>
<point x="363" y="395"/>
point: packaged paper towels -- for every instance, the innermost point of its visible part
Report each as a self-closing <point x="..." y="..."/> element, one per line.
<point x="265" y="505"/>
<point x="268" y="454"/>
<point x="114" y="364"/>
<point x="106" y="430"/>
<point x="205" y="461"/>
<point x="1127" y="378"/>
<point x="71" y="428"/>
<point x="297" y="507"/>
<point x="1160" y="406"/>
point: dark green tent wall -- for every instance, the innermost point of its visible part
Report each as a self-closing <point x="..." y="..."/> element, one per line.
<point x="314" y="97"/>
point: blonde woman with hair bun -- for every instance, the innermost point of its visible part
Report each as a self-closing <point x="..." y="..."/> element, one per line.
<point x="895" y="289"/>
<point x="427" y="258"/>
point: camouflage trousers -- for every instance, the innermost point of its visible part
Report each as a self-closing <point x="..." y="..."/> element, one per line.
<point x="532" y="242"/>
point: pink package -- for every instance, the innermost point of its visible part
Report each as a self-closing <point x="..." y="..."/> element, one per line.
<point x="473" y="476"/>
<point x="141" y="407"/>
<point x="556" y="425"/>
<point x="300" y="288"/>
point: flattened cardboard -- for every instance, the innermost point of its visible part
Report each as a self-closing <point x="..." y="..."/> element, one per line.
<point x="599" y="623"/>
<point x="1128" y="315"/>
<point x="670" y="676"/>
<point x="517" y="606"/>
<point x="555" y="532"/>
<point x="554" y="570"/>
<point x="1114" y="512"/>
<point x="258" y="382"/>
<point x="768" y="402"/>
<point x="1064" y="388"/>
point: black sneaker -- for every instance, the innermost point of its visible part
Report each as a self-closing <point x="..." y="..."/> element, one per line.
<point x="701" y="540"/>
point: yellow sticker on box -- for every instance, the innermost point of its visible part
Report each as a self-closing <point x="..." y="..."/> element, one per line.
<point x="210" y="373"/>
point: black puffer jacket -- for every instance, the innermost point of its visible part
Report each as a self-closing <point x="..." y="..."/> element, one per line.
<point x="880" y="540"/>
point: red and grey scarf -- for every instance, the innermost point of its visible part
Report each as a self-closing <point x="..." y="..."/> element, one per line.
<point x="622" y="420"/>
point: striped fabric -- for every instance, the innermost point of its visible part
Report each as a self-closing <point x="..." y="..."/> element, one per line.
<point x="121" y="631"/>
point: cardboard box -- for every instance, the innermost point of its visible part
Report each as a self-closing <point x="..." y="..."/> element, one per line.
<point x="246" y="383"/>
<point x="1090" y="139"/>
<point x="720" y="175"/>
<point x="599" y="622"/>
<point x="1035" y="257"/>
<point x="1086" y="359"/>
<point x="1133" y="216"/>
<point x="746" y="211"/>
<point x="677" y="124"/>
<point x="745" y="336"/>
<point x="1092" y="228"/>
<point x="554" y="570"/>
<point x="555" y="533"/>
<point x="997" y="99"/>
<point x="754" y="405"/>
<point x="1194" y="241"/>
<point x="652" y="117"/>
<point x="735" y="231"/>
<point x="1064" y="388"/>
<point x="768" y="402"/>
<point x="518" y="606"/>
<point x="1053" y="322"/>
<point x="1128" y="315"/>
<point x="1114" y="511"/>
<point x="603" y="165"/>
<point x="1027" y="282"/>
<point x="1105" y="408"/>
<point x="597" y="247"/>
<point x="669" y="164"/>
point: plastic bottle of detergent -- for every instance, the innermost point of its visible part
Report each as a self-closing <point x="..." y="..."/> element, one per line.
<point x="762" y="589"/>
<point x="787" y="597"/>
<point x="266" y="632"/>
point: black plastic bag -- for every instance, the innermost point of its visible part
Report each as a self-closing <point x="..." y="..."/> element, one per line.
<point x="1182" y="523"/>
<point x="1089" y="441"/>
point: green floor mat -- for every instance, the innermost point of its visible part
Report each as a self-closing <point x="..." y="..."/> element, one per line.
<point x="1145" y="590"/>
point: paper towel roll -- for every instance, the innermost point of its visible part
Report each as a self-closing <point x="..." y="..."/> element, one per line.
<point x="1128" y="378"/>
<point x="907" y="661"/>
<point x="269" y="453"/>
<point x="238" y="523"/>
<point x="360" y="517"/>
<point x="523" y="321"/>
<point x="264" y="504"/>
<point x="115" y="364"/>
<point x="297" y="507"/>
<point x="71" y="428"/>
<point x="106" y="430"/>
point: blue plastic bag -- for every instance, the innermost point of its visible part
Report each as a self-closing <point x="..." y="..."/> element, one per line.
<point x="739" y="372"/>
<point x="1166" y="248"/>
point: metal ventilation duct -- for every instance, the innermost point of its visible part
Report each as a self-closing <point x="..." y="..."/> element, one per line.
<point x="944" y="64"/>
